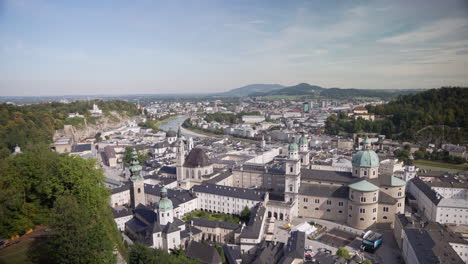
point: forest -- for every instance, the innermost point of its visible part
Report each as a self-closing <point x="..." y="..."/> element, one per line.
<point x="32" y="124"/>
<point x="66" y="194"/>
<point x="433" y="116"/>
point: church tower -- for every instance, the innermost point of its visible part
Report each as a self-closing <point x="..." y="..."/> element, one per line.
<point x="292" y="173"/>
<point x="138" y="183"/>
<point x="180" y="159"/>
<point x="165" y="208"/>
<point x="410" y="169"/>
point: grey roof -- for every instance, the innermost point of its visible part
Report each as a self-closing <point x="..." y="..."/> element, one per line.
<point x="429" y="250"/>
<point x="203" y="253"/>
<point x="171" y="227"/>
<point x="81" y="148"/>
<point x="163" y="144"/>
<point x="168" y="170"/>
<point x="386" y="199"/>
<point x="295" y="246"/>
<point x="232" y="254"/>
<point x="109" y="152"/>
<point x="330" y="176"/>
<point x="214" y="224"/>
<point x="121" y="212"/>
<point x="145" y="213"/>
<point x="122" y="188"/>
<point x="197" y="157"/>
<point x="267" y="253"/>
<point x="426" y="189"/>
<point x="176" y="196"/>
<point x="252" y="230"/>
<point x="242" y="193"/>
<point x="221" y="176"/>
<point x="321" y="190"/>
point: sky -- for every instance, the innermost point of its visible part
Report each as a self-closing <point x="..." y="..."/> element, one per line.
<point x="68" y="47"/>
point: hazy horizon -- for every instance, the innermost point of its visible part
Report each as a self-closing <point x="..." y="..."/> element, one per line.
<point x="150" y="47"/>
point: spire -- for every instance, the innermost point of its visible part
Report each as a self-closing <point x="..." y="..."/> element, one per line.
<point x="135" y="168"/>
<point x="179" y="133"/>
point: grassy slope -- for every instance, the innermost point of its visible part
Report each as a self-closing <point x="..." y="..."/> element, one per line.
<point x="440" y="166"/>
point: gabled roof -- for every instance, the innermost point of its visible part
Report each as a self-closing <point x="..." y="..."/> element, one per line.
<point x="203" y="253"/>
<point x="242" y="193"/>
<point x="364" y="186"/>
<point x="197" y="158"/>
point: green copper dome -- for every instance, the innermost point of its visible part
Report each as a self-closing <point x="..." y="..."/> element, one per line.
<point x="293" y="147"/>
<point x="303" y="141"/>
<point x="164" y="203"/>
<point x="365" y="158"/>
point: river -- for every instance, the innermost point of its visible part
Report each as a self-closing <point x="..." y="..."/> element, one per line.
<point x="175" y="123"/>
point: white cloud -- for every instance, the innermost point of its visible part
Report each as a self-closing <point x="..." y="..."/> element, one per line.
<point x="435" y="31"/>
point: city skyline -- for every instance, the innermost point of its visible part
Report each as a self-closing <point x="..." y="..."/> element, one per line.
<point x="153" y="47"/>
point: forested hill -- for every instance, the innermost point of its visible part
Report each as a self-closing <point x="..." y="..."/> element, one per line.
<point x="31" y="124"/>
<point x="436" y="115"/>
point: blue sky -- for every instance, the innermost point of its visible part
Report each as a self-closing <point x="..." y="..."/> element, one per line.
<point x="149" y="46"/>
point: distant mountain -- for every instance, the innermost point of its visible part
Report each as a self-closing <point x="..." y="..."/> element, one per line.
<point x="300" y="89"/>
<point x="306" y="89"/>
<point x="253" y="88"/>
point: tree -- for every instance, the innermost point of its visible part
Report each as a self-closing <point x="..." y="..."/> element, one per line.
<point x="342" y="252"/>
<point x="77" y="235"/>
<point x="245" y="215"/>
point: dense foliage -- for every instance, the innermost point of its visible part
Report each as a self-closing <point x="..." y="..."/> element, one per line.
<point x="433" y="116"/>
<point x="141" y="254"/>
<point x="32" y="124"/>
<point x="212" y="216"/>
<point x="67" y="193"/>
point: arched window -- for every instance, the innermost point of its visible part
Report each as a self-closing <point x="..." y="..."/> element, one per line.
<point x="291" y="169"/>
<point x="139" y="190"/>
<point x="199" y="174"/>
<point x="365" y="173"/>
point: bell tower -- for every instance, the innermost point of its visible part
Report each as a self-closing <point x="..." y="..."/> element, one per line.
<point x="180" y="159"/>
<point x="138" y="183"/>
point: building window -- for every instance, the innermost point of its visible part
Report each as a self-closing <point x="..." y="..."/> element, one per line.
<point x="374" y="210"/>
<point x="139" y="190"/>
<point x="305" y="207"/>
<point x="356" y="171"/>
<point x="375" y="199"/>
<point x="340" y="211"/>
<point x="328" y="202"/>
<point x="363" y="199"/>
<point x="317" y="200"/>
<point x="306" y="200"/>
<point x="399" y="194"/>
<point x="385" y="209"/>
<point x="328" y="210"/>
<point x="373" y="173"/>
<point x="373" y="218"/>
<point x="362" y="219"/>
<point x="385" y="217"/>
<point x="399" y="204"/>
<point x="350" y="207"/>
<point x="362" y="210"/>
<point x="316" y="208"/>
<point x="291" y="169"/>
<point x="340" y="203"/>
<point x="365" y="173"/>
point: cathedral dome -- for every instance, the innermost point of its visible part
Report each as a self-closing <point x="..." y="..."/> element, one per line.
<point x="366" y="158"/>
